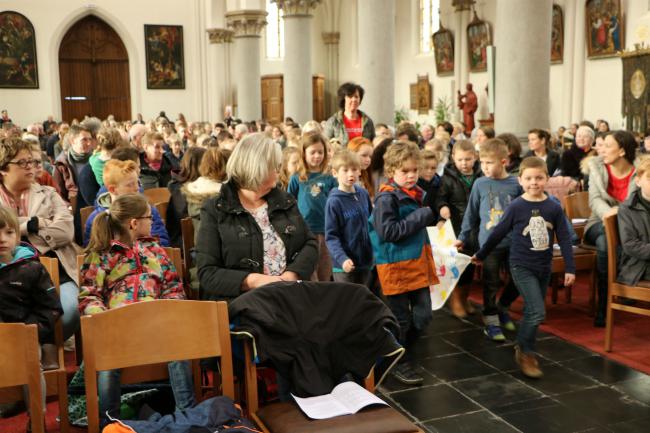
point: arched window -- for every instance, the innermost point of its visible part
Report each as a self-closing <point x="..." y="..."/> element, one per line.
<point x="274" y="31"/>
<point x="428" y="25"/>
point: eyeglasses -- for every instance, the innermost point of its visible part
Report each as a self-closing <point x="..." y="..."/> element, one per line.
<point x="26" y="163"/>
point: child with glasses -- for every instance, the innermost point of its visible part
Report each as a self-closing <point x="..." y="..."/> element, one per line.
<point x="124" y="265"/>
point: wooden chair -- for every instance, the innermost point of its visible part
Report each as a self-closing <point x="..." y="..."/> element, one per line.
<point x="162" y="210"/>
<point x="287" y="417"/>
<point x="85" y="213"/>
<point x="55" y="380"/>
<point x="585" y="260"/>
<point x="20" y="365"/>
<point x="576" y="205"/>
<point x="187" y="233"/>
<point x="116" y="339"/>
<point x="640" y="292"/>
<point x="157" y="195"/>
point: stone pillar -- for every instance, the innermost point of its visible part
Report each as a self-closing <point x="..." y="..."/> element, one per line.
<point x="331" y="40"/>
<point x="567" y="82"/>
<point x="377" y="58"/>
<point x="247" y="26"/>
<point x="221" y="91"/>
<point x="298" y="95"/>
<point x="522" y="65"/>
<point x="579" y="60"/>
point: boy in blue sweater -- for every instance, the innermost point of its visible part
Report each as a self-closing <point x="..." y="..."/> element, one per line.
<point x="347" y="207"/>
<point x="532" y="220"/>
<point x="490" y="196"/>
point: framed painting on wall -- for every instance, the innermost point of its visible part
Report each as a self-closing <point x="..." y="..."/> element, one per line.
<point x="164" y="56"/>
<point x="604" y="27"/>
<point x="18" y="67"/>
<point x="557" y="35"/>
<point x="479" y="37"/>
<point x="443" y="44"/>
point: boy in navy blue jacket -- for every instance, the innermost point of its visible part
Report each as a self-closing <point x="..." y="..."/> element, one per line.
<point x="346" y="210"/>
<point x="532" y="220"/>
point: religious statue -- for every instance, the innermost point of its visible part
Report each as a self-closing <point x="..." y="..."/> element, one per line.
<point x="468" y="102"/>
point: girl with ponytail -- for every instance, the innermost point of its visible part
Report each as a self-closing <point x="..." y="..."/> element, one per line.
<point x="124" y="265"/>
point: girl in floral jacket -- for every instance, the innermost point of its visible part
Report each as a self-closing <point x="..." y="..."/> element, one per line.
<point x="125" y="265"/>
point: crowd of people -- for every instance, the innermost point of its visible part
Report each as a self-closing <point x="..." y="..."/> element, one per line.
<point x="345" y="200"/>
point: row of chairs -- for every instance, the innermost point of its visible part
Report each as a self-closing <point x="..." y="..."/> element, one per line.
<point x="113" y="340"/>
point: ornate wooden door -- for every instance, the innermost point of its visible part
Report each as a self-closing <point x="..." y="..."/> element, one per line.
<point x="273" y="98"/>
<point x="94" y="72"/>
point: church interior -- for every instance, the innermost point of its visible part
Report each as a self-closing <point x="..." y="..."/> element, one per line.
<point x="204" y="150"/>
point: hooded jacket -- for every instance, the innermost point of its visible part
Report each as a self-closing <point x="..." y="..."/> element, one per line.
<point x="103" y="202"/>
<point x="126" y="275"/>
<point x="151" y="178"/>
<point x="346" y="235"/>
<point x="634" y="229"/>
<point x="316" y="332"/>
<point x="230" y="246"/>
<point x="400" y="242"/>
<point x="27" y="294"/>
<point x="196" y="194"/>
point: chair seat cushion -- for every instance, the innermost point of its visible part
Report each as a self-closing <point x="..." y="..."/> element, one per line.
<point x="288" y="418"/>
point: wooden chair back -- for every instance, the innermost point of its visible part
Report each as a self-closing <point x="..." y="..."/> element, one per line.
<point x="187" y="233"/>
<point x="157" y="195"/>
<point x="20" y="365"/>
<point x="162" y="210"/>
<point x="85" y="212"/>
<point x="116" y="339"/>
<point x="617" y="290"/>
<point x="576" y="205"/>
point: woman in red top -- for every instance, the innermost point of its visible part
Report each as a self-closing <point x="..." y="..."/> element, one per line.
<point x="610" y="183"/>
<point x="349" y="122"/>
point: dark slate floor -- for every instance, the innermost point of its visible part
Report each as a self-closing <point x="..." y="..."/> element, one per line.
<point x="473" y="385"/>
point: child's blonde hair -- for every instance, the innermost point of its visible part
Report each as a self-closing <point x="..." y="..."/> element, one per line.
<point x="463" y="146"/>
<point x="8" y="218"/>
<point x="115" y="170"/>
<point x="109" y="139"/>
<point x="643" y="167"/>
<point x="284" y="174"/>
<point x="428" y="155"/>
<point x="366" y="175"/>
<point x="398" y="153"/>
<point x="494" y="147"/>
<point x="345" y="158"/>
<point x="112" y="224"/>
<point x="308" y="140"/>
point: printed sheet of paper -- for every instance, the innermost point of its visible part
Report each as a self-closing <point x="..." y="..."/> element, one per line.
<point x="450" y="264"/>
<point x="345" y="399"/>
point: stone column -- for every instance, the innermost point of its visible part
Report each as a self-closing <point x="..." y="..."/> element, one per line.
<point x="247" y="26"/>
<point x="522" y="65"/>
<point x="331" y="40"/>
<point x="298" y="95"/>
<point x="579" y="60"/>
<point x="377" y="58"/>
<point x="221" y="95"/>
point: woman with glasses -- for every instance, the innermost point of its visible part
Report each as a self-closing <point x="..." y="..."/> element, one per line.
<point x="45" y="221"/>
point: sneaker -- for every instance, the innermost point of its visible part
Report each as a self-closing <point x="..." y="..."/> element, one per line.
<point x="528" y="364"/>
<point x="506" y="321"/>
<point x="69" y="344"/>
<point x="405" y="374"/>
<point x="494" y="333"/>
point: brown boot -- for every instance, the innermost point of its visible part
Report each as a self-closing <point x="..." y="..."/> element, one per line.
<point x="49" y="359"/>
<point x="528" y="364"/>
<point x="456" y="304"/>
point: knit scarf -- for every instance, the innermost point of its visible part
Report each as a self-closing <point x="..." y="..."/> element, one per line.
<point x="415" y="193"/>
<point x="79" y="157"/>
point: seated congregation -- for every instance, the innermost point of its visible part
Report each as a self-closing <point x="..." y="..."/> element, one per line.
<point x="314" y="235"/>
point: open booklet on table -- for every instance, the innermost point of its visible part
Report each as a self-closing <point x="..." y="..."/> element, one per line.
<point x="346" y="398"/>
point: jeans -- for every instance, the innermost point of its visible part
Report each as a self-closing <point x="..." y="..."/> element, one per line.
<point x="413" y="313"/>
<point x="70" y="304"/>
<point x="596" y="236"/>
<point x="492" y="266"/>
<point x="108" y="386"/>
<point x="532" y="285"/>
<point x="360" y="276"/>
